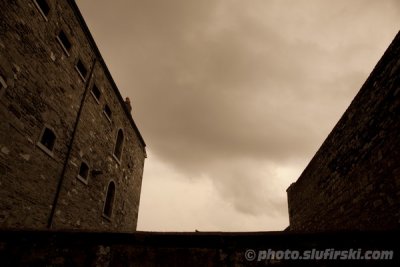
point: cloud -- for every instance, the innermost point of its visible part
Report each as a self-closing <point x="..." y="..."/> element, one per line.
<point x="236" y="96"/>
<point x="174" y="202"/>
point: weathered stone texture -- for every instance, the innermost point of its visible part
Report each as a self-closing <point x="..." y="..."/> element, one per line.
<point x="353" y="181"/>
<point x="45" y="89"/>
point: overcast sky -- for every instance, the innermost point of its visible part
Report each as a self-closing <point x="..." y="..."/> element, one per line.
<point x="234" y="97"/>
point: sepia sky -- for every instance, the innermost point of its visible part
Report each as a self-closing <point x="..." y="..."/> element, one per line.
<point x="234" y="97"/>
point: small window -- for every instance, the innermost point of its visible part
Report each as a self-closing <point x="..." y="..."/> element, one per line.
<point x="3" y="85"/>
<point x="119" y="144"/>
<point x="43" y="7"/>
<point x="64" y="41"/>
<point x="108" y="205"/>
<point x="83" y="172"/>
<point x="80" y="67"/>
<point x="47" y="141"/>
<point x="107" y="111"/>
<point x="96" y="92"/>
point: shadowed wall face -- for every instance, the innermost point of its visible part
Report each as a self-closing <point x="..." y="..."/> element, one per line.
<point x="353" y="182"/>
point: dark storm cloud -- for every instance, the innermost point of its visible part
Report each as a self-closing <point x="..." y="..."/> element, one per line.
<point x="226" y="88"/>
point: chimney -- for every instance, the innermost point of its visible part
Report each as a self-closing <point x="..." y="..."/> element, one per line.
<point x="128" y="104"/>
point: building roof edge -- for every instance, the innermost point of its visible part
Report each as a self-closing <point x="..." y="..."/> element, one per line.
<point x="92" y="42"/>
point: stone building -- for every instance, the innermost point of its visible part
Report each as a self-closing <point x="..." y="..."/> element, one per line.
<point x="353" y="181"/>
<point x="71" y="156"/>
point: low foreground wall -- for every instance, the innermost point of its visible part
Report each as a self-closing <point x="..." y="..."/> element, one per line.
<point x="47" y="248"/>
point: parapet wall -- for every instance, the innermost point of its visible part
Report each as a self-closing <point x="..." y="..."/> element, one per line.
<point x="187" y="249"/>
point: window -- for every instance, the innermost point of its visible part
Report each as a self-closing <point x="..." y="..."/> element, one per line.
<point x="3" y="85"/>
<point x="64" y="42"/>
<point x="80" y="67"/>
<point x="96" y="93"/>
<point x="83" y="172"/>
<point x="107" y="111"/>
<point x="47" y="141"/>
<point x="108" y="205"/>
<point x="43" y="7"/>
<point x="119" y="144"/>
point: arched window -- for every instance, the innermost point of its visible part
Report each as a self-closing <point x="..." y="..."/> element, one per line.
<point x="108" y="205"/>
<point x="119" y="144"/>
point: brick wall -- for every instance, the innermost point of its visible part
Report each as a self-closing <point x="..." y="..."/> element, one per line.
<point x="353" y="181"/>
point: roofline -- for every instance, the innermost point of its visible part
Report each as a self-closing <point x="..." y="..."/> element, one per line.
<point x="365" y="87"/>
<point x="86" y="30"/>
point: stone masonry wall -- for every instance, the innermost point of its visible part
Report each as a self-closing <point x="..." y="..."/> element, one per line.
<point x="45" y="89"/>
<point x="40" y="80"/>
<point x="353" y="181"/>
<point x="94" y="144"/>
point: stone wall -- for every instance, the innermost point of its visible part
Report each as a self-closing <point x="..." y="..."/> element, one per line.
<point x="353" y="181"/>
<point x="44" y="89"/>
<point x="189" y="249"/>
